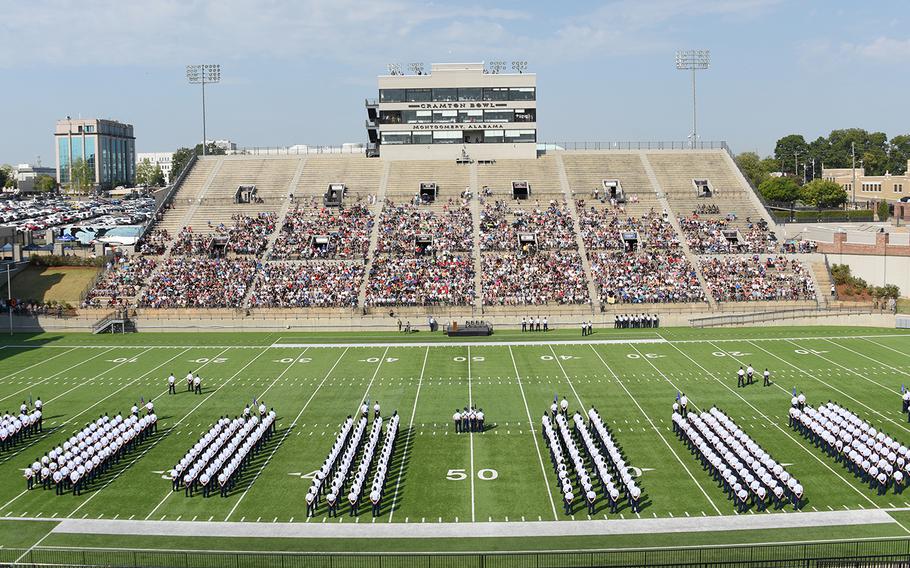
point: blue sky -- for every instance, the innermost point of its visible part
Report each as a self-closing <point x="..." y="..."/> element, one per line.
<point x="297" y="71"/>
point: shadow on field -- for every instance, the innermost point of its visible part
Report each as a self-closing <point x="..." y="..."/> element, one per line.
<point x="123" y="463"/>
<point x="256" y="463"/>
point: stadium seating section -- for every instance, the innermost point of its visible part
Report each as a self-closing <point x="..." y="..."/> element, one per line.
<point x="680" y="227"/>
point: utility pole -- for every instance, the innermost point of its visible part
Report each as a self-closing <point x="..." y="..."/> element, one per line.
<point x="853" y="162"/>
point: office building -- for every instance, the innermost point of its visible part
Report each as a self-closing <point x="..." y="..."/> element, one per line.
<point x="107" y="146"/>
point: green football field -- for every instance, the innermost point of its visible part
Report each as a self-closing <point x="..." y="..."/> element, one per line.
<point x="458" y="483"/>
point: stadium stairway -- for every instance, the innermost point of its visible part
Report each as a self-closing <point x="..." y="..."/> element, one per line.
<point x="690" y="256"/>
<point x="198" y="201"/>
<point x="374" y="235"/>
<point x="579" y="241"/>
<point x="283" y="212"/>
<point x="822" y="279"/>
<point x="475" y="218"/>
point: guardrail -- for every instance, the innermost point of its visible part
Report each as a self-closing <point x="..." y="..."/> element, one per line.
<point x="634" y="145"/>
<point x="298" y="150"/>
<point x="873" y="552"/>
<point x="759" y="317"/>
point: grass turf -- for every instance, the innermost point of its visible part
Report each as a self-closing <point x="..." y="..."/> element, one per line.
<point x="314" y="388"/>
<point x="48" y="284"/>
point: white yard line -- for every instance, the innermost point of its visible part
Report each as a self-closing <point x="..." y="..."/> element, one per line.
<point x="407" y="442"/>
<point x="831" y="386"/>
<point x="898" y="351"/>
<point x="291" y="427"/>
<point x="32" y="547"/>
<point x="171" y="429"/>
<point x="532" y="430"/>
<point x="288" y="368"/>
<point x="776" y="425"/>
<point x="44" y="435"/>
<point x="471" y="434"/>
<point x="657" y="430"/>
<point x="44" y="380"/>
<point x="877" y="362"/>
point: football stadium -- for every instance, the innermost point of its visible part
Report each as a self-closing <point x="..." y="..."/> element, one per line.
<point x="452" y="345"/>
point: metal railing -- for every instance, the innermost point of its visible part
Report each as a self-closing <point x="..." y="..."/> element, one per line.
<point x="872" y="552"/>
<point x="775" y="315"/>
<point x="633" y="145"/>
<point x="299" y="150"/>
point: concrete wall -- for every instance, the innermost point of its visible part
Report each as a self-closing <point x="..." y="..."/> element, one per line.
<point x="877" y="270"/>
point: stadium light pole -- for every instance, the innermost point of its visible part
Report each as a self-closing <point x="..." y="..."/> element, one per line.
<point x="693" y="60"/>
<point x="200" y="75"/>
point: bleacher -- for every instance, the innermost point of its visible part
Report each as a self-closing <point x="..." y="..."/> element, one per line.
<point x="206" y="198"/>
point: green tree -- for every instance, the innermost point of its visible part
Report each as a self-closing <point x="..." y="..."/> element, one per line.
<point x="870" y="147"/>
<point x="754" y="168"/>
<point x="82" y="177"/>
<point x="210" y="150"/>
<point x="157" y="177"/>
<point x="144" y="173"/>
<point x="898" y="154"/>
<point x="823" y="194"/>
<point x="789" y="151"/>
<point x="45" y="183"/>
<point x="179" y="160"/>
<point x="7" y="179"/>
<point x="780" y="189"/>
<point x="883" y="211"/>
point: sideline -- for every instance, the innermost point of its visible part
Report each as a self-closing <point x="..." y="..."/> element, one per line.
<point x="476" y="530"/>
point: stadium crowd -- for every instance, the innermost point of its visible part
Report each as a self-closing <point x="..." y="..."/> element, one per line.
<point x="706" y="235"/>
<point x="501" y="225"/>
<point x="154" y="242"/>
<point x="534" y="279"/>
<point x="736" y="279"/>
<point x="124" y="276"/>
<point x="192" y="282"/>
<point x="450" y="226"/>
<point x="307" y="284"/>
<point x="348" y="231"/>
<point x="645" y="277"/>
<point x="447" y="279"/>
<point x="247" y="236"/>
<point x="603" y="228"/>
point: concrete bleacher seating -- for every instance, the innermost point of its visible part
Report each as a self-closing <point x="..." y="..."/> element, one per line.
<point x="541" y="174"/>
<point x="361" y="175"/>
<point x="659" y="180"/>
<point x="405" y="178"/>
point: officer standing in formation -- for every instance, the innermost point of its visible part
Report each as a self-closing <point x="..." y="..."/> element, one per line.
<point x="905" y="405"/>
<point x="740" y="377"/>
<point x="171" y="384"/>
<point x="457" y="419"/>
<point x="587" y="328"/>
<point x="750" y="372"/>
<point x="189" y="381"/>
<point x="636" y="321"/>
<point x="767" y="378"/>
<point x="197" y="384"/>
<point x="564" y="406"/>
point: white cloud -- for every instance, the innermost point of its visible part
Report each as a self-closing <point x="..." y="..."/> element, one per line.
<point x="884" y="49"/>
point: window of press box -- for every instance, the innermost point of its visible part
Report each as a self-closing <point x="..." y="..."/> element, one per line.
<point x="492" y="136"/>
<point x="396" y="137"/>
<point x="445" y="95"/>
<point x="418" y="95"/>
<point x="496" y="94"/>
<point x="470" y="116"/>
<point x="416" y="116"/>
<point x="470" y="94"/>
<point x="447" y="137"/>
<point x="391" y="95"/>
<point x="498" y="116"/>
<point x="445" y="116"/>
<point x="520" y="136"/>
<point x="525" y="115"/>
<point x="521" y="93"/>
<point x="390" y="117"/>
<point x="422" y="137"/>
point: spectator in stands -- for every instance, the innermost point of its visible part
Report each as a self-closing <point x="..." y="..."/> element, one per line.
<point x="754" y="279"/>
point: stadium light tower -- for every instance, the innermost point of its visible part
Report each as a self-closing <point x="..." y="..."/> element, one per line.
<point x="416" y="68"/>
<point x="694" y="60"/>
<point x="200" y="75"/>
<point x="519" y="66"/>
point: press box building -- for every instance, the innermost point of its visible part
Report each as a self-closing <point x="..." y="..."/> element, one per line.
<point x="456" y="109"/>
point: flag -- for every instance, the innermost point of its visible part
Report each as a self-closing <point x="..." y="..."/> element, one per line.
<point x="254" y="402"/>
<point x="142" y="401"/>
<point x="902" y="388"/>
<point x="677" y="396"/>
<point x="555" y="399"/>
<point x="30" y="398"/>
<point x="794" y="391"/>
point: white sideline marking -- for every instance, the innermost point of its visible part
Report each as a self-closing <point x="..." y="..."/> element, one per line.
<point x="472" y="343"/>
<point x="473" y="530"/>
<point x="407" y="442"/>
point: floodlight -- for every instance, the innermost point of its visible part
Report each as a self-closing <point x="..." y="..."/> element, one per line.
<point x="416" y="68"/>
<point x="200" y="75"/>
<point x="497" y="66"/>
<point x="519" y="66"/>
<point x="693" y="60"/>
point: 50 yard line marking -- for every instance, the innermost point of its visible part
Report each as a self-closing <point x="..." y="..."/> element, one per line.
<point x="407" y="442"/>
<point x="543" y="470"/>
<point x="471" y="434"/>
